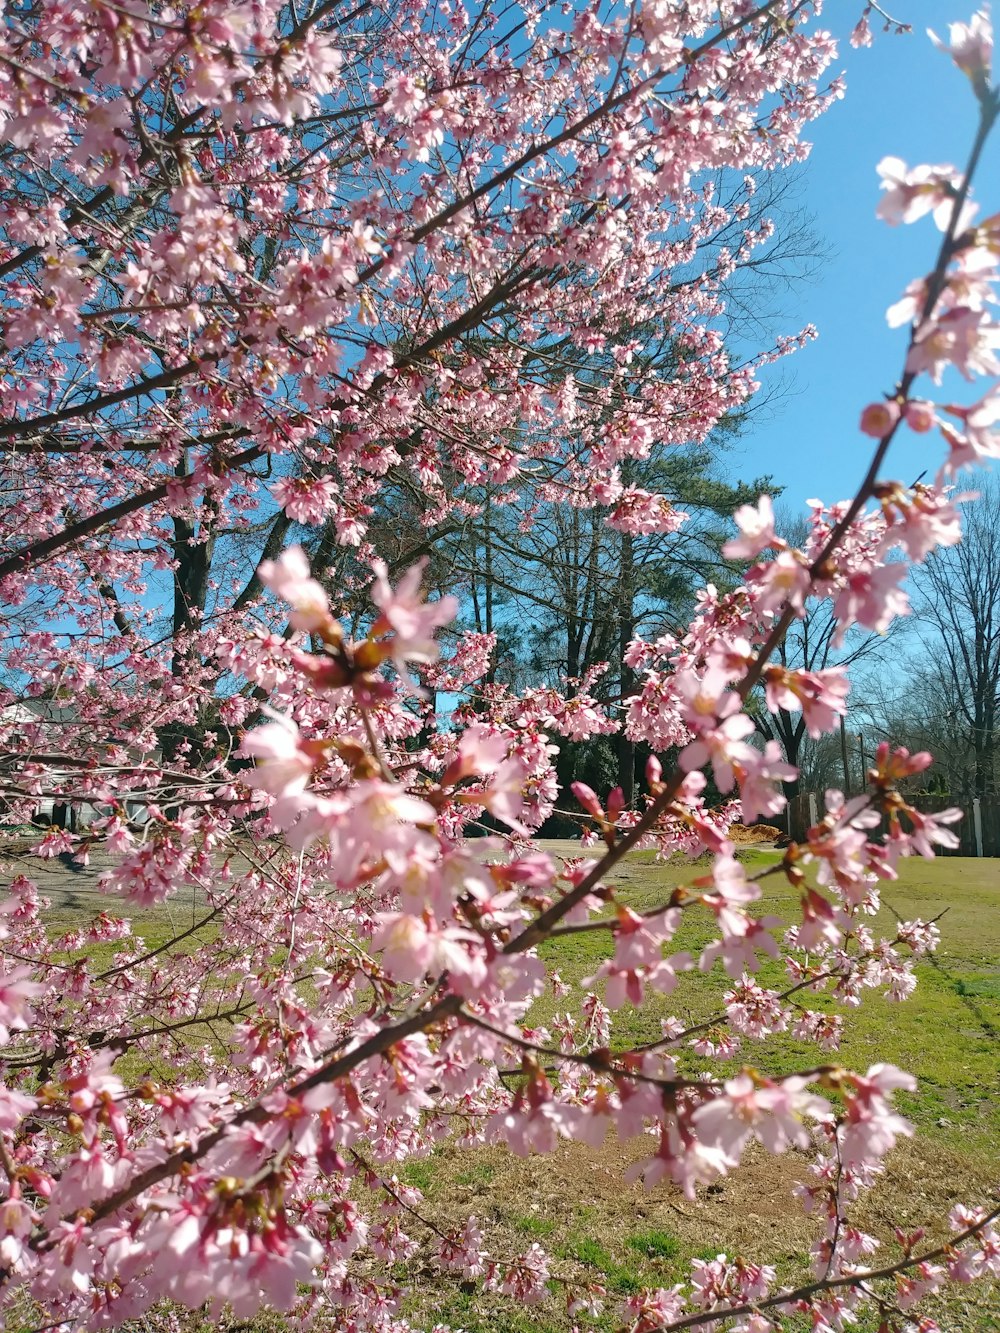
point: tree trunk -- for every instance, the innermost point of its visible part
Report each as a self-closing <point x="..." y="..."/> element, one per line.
<point x="626" y="632"/>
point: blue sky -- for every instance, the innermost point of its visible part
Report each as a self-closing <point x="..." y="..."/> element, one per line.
<point x="905" y="98"/>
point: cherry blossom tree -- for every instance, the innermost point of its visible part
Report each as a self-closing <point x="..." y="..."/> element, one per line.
<point x="260" y="264"/>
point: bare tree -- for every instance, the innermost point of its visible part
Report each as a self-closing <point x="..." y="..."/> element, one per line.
<point x="810" y="645"/>
<point x="920" y="710"/>
<point x="956" y="600"/>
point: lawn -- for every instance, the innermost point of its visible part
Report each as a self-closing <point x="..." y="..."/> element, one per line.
<point x="597" y="1228"/>
<point x="946" y="1034"/>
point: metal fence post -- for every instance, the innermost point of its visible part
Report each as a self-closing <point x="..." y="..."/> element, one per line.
<point x="977" y="824"/>
<point x="813" y="810"/>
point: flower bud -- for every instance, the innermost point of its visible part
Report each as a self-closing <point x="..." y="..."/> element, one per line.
<point x="878" y="419"/>
<point x="919" y="415"/>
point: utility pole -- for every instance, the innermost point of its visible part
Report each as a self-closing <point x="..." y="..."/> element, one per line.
<point x="843" y="755"/>
<point x="864" y="762"/>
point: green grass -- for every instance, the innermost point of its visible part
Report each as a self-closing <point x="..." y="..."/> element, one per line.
<point x="420" y="1173"/>
<point x="654" y="1244"/>
<point x="534" y="1225"/>
<point x="618" y="1277"/>
<point x="465" y="1312"/>
<point x="479" y="1173"/>
<point x="947" y="1034"/>
<point x="981" y="988"/>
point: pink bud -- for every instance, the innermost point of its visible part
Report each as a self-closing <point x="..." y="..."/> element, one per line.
<point x="878" y="419"/>
<point x="587" y="798"/>
<point x="654" y="770"/>
<point x="862" y="34"/>
<point x="616" y="801"/>
<point x="919" y="415"/>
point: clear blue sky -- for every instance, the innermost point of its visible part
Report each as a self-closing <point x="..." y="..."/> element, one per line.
<point x="905" y="98"/>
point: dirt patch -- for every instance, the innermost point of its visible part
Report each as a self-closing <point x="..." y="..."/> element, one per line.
<point x="730" y="1214"/>
<point x="593" y="1223"/>
<point x="752" y="835"/>
<point x="752" y="1212"/>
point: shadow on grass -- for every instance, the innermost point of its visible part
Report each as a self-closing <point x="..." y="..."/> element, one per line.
<point x="960" y="988"/>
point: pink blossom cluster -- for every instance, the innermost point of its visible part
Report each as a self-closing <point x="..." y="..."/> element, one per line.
<point x="276" y="265"/>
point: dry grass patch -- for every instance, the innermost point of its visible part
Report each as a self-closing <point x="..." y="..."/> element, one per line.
<point x="599" y="1228"/>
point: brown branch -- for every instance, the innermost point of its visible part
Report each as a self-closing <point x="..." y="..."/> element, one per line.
<point x="162" y="948"/>
<point x="36" y="552"/>
<point x="42" y="549"/>
<point x="16" y="427"/>
<point x="53" y="444"/>
<point x="256" y="1113"/>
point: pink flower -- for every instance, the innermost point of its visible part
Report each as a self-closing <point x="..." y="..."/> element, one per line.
<point x="732" y="889"/>
<point x="504" y="794"/>
<point x="979" y="437"/>
<point x="305" y="499"/>
<point x="738" y="949"/>
<point x="873" y="597"/>
<point x="469" y="661"/>
<point x="821" y="696"/>
<point x="770" y="1112"/>
<point x="861" y="34"/>
<point x="375" y="819"/>
<point x="273" y="1265"/>
<point x="588" y="798"/>
<point x="288" y="577"/>
<point x="961" y="337"/>
<point x="480" y="751"/>
<point x="919" y="415"/>
<point x="910" y="195"/>
<point x="69" y="1263"/>
<point x="406" y="947"/>
<point x="411" y="948"/>
<point x="785" y="580"/>
<point x="928" y="831"/>
<point x="410" y="620"/>
<point x="724" y="746"/>
<point x="823" y="924"/>
<point x="284" y="764"/>
<point x="14" y="1106"/>
<point x="526" y="1277"/>
<point x="641" y="512"/>
<point x="920" y="520"/>
<point x="656" y="1308"/>
<point x="878" y="419"/>
<point x="405" y="98"/>
<point x="16" y="992"/>
<point x="971" y="48"/>
<point x="753" y="1011"/>
<point x="756" y="526"/>
<point x="894" y="764"/>
<point x="758" y="775"/>
<point x="912" y="1287"/>
<point x="626" y="982"/>
<point x="870" y="1127"/>
<point x="17" y="1218"/>
<point x="922" y="937"/>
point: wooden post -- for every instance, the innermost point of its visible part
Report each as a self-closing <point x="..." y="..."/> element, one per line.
<point x="977" y="824"/>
